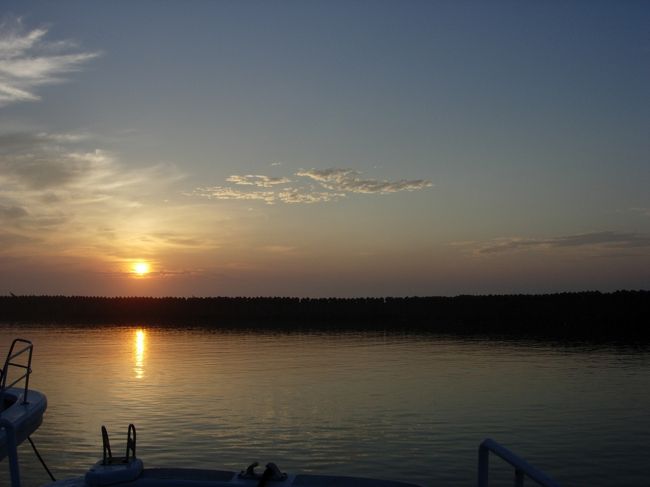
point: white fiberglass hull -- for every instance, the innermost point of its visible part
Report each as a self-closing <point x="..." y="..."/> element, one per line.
<point x="24" y="417"/>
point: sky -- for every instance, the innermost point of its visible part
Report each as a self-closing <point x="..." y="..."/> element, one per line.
<point x="324" y="148"/>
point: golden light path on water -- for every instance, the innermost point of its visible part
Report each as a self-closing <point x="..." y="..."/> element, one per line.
<point x="139" y="350"/>
<point x="407" y="407"/>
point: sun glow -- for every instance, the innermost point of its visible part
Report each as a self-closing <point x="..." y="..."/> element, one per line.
<point x="141" y="268"/>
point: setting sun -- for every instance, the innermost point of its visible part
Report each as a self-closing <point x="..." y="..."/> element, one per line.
<point x="141" y="268"/>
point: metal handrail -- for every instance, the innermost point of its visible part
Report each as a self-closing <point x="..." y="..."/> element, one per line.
<point x="522" y="467"/>
<point x="9" y="362"/>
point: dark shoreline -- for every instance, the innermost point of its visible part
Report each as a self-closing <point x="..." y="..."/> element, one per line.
<point x="621" y="315"/>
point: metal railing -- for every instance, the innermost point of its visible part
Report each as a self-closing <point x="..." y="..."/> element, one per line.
<point x="11" y="361"/>
<point x="522" y="467"/>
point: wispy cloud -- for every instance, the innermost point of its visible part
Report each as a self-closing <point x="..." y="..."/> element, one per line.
<point x="257" y="180"/>
<point x="287" y="195"/>
<point x="315" y="186"/>
<point x="605" y="239"/>
<point x="348" y="180"/>
<point x="27" y="61"/>
<point x="278" y="249"/>
<point x="12" y="212"/>
<point x="294" y="195"/>
<point x="53" y="164"/>
<point x="9" y="239"/>
<point x="641" y="211"/>
<point x="52" y="189"/>
<point x="227" y="193"/>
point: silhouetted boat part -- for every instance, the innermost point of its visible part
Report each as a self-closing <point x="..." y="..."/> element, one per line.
<point x="21" y="408"/>
<point x="22" y="412"/>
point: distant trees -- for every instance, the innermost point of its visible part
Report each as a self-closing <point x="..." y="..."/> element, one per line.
<point x="622" y="314"/>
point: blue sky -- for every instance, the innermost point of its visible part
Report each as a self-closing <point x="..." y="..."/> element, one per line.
<point x="324" y="148"/>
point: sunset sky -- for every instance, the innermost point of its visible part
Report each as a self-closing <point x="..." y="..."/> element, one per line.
<point x="324" y="148"/>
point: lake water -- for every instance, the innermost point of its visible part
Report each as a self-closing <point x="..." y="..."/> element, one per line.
<point x="410" y="407"/>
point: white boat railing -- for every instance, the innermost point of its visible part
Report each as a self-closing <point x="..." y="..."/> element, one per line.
<point x="12" y="361"/>
<point x="522" y="467"/>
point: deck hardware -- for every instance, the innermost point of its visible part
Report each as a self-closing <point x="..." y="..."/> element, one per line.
<point x="107" y="454"/>
<point x="250" y="472"/>
<point x="522" y="467"/>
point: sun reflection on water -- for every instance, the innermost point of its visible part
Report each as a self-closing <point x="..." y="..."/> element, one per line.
<point x="139" y="349"/>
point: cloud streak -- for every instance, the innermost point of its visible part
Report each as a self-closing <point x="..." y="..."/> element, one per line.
<point x="27" y="61"/>
<point x="53" y="190"/>
<point x="641" y="211"/>
<point x="50" y="165"/>
<point x="257" y="180"/>
<point x="605" y="239"/>
<point x="318" y="186"/>
<point x="348" y="180"/>
<point x="288" y="195"/>
<point x="228" y="193"/>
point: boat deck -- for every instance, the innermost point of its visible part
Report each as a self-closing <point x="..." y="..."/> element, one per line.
<point x="191" y="477"/>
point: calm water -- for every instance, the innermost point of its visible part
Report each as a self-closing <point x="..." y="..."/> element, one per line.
<point x="401" y="407"/>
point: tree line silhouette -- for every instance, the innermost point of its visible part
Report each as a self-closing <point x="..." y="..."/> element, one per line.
<point x="621" y="314"/>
